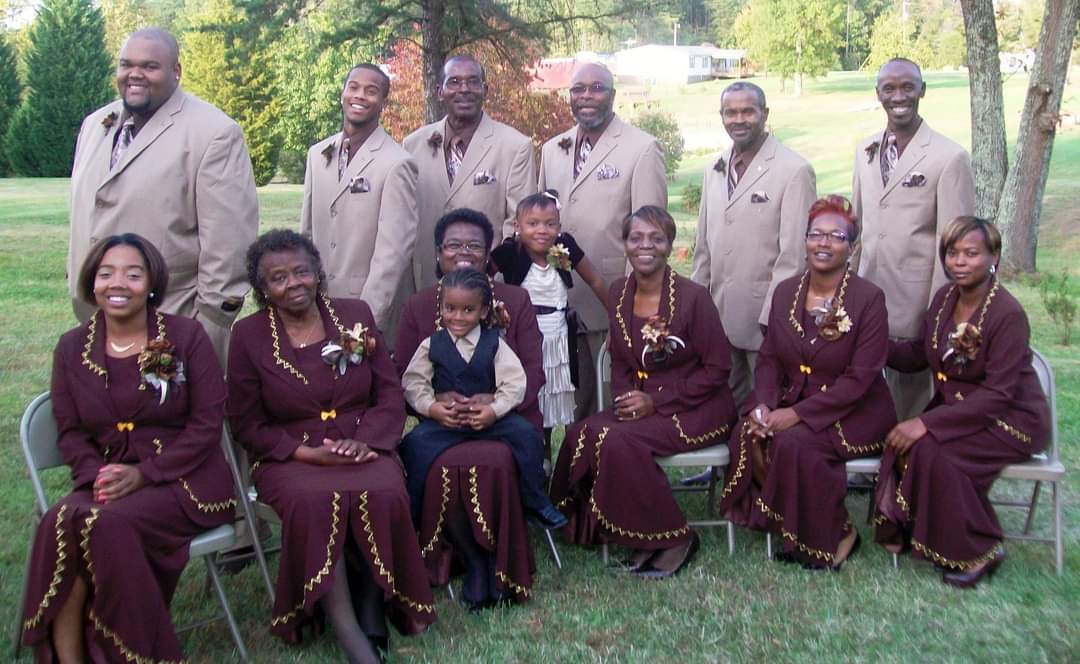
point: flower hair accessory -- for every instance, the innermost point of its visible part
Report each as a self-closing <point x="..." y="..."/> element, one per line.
<point x="329" y="152"/>
<point x="351" y="348"/>
<point x="558" y="256"/>
<point x="831" y="319"/>
<point x="720" y="166"/>
<point x="963" y="344"/>
<point x="659" y="342"/>
<point x="566" y="144"/>
<point x="547" y="193"/>
<point x="871" y="151"/>
<point x="159" y="366"/>
<point x="109" y="121"/>
<point x="434" y="142"/>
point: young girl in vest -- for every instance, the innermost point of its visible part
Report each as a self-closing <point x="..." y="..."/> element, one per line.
<point x="539" y="258"/>
<point x="466" y="356"/>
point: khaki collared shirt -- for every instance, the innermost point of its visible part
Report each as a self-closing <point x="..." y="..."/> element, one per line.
<point x="509" y="375"/>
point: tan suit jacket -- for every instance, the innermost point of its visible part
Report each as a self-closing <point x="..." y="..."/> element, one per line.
<point x="186" y="185"/>
<point x="498" y="171"/>
<point x="625" y="171"/>
<point x="365" y="224"/>
<point x="903" y="220"/>
<point x="751" y="241"/>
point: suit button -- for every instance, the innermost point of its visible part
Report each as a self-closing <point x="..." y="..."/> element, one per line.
<point x="729" y="221"/>
<point x="332" y="277"/>
<point x="99" y="203"/>
<point x="333" y="212"/>
<point x="880" y="235"/>
<point x="93" y="240"/>
<point x="727" y="251"/>
<point x="573" y="200"/>
<point x="333" y="245"/>
<point x="884" y="205"/>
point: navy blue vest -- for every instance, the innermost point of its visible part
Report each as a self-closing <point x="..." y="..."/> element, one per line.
<point x="451" y="371"/>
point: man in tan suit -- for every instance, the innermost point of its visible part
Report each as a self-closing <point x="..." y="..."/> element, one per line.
<point x="603" y="169"/>
<point x="909" y="182"/>
<point x="751" y="227"/>
<point x="360" y="202"/>
<point x="174" y="169"/>
<point x="466" y="160"/>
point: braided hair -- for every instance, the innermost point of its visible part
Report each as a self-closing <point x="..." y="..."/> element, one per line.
<point x="471" y="280"/>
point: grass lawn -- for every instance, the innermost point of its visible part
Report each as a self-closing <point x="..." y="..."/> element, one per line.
<point x="738" y="608"/>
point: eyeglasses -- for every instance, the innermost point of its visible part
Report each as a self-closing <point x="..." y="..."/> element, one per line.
<point x="834" y="236"/>
<point x="455" y="247"/>
<point x="459" y="83"/>
<point x="595" y="88"/>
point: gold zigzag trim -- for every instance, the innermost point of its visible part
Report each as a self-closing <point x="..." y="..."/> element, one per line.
<point x="900" y="499"/>
<point x="857" y="449"/>
<point x="622" y="298"/>
<point x="580" y="445"/>
<point x="157" y="445"/>
<point x="779" y="518"/>
<point x="955" y="564"/>
<point x="309" y="586"/>
<point x="281" y="362"/>
<point x="380" y="568"/>
<point x="518" y="589"/>
<point x="698" y="440"/>
<point x="442" y="512"/>
<point x="740" y="466"/>
<point x="208" y="507"/>
<point x="58" y="572"/>
<point x="1014" y="432"/>
<point x="94" y="367"/>
<point x="474" y="491"/>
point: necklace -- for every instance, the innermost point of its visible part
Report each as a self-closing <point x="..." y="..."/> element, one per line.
<point x="121" y="349"/>
<point x="308" y="333"/>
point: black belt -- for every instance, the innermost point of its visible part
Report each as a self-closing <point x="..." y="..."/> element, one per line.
<point x="541" y="310"/>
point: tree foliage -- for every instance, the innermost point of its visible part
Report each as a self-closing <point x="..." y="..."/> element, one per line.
<point x="665" y="129"/>
<point x="68" y="76"/>
<point x="122" y="17"/>
<point x="793" y="39"/>
<point x="10" y="92"/>
<point x="933" y="37"/>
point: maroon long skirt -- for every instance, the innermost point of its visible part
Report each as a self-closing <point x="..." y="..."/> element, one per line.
<point x="609" y="486"/>
<point x="939" y="500"/>
<point x="324" y="508"/>
<point x="131" y="553"/>
<point x="802" y="499"/>
<point x="477" y="481"/>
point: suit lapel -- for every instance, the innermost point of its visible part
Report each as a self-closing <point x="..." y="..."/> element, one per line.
<point x="478" y="148"/>
<point x="155" y="127"/>
<point x="914" y="153"/>
<point x="755" y="170"/>
<point x="608" y="141"/>
<point x="360" y="161"/>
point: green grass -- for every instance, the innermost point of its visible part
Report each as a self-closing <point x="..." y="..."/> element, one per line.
<point x="738" y="608"/>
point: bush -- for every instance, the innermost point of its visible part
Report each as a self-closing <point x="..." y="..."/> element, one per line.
<point x="291" y="165"/>
<point x="666" y="131"/>
<point x="1060" y="303"/>
<point x="10" y="91"/>
<point x="691" y="198"/>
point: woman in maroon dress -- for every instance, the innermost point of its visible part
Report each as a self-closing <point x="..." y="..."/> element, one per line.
<point x="314" y="397"/>
<point x="819" y="400"/>
<point x="139" y="400"/>
<point x="670" y="362"/>
<point x="988" y="411"/>
<point x="472" y="511"/>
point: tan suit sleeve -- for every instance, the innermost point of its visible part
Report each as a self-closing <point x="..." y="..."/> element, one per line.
<point x="799" y="194"/>
<point x="228" y="218"/>
<point x="541" y="184"/>
<point x="416" y="381"/>
<point x="857" y="210"/>
<point x="305" y="208"/>
<point x="955" y="198"/>
<point x="701" y="271"/>
<point x="395" y="239"/>
<point x="510" y="381"/>
<point x="649" y="186"/>
<point x="520" y="183"/>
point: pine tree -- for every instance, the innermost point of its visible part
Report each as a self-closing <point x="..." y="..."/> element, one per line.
<point x="10" y="91"/>
<point x="68" y="75"/>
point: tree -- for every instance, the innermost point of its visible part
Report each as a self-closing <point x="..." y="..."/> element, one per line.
<point x="665" y="129"/>
<point x="122" y="17"/>
<point x="794" y="39"/>
<point x="10" y="92"/>
<point x="68" y="76"/>
<point x="724" y="13"/>
<point x="989" y="159"/>
<point x="236" y="77"/>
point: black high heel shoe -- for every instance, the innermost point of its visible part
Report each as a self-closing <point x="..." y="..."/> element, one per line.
<point x="969" y="579"/>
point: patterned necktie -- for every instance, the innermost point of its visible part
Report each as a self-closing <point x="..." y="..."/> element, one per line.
<point x="582" y="156"/>
<point x="889" y="156"/>
<point x="454" y="156"/>
<point x="732" y="178"/>
<point x="343" y="158"/>
<point x="123" y="141"/>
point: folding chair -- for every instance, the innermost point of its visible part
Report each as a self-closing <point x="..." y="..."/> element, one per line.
<point x="38" y="434"/>
<point x="714" y="457"/>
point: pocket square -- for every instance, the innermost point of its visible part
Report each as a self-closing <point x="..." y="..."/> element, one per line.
<point x="483" y="177"/>
<point x="759" y="197"/>
<point x="606" y="172"/>
<point x="359" y="185"/>
<point x="913" y="179"/>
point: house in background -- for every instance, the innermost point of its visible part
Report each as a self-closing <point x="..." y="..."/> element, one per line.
<point x="655" y="63"/>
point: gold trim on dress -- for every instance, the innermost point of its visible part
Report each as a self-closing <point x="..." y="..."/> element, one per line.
<point x="93" y="366"/>
<point x="982" y="313"/>
<point x="309" y="586"/>
<point x="442" y="513"/>
<point x="697" y="440"/>
<point x="207" y="507"/>
<point x="955" y="564"/>
<point x="804" y="280"/>
<point x="622" y="297"/>
<point x="790" y="536"/>
<point x="58" y="572"/>
<point x="740" y="466"/>
<point x="518" y="589"/>
<point x="857" y="449"/>
<point x="474" y="492"/>
<point x="381" y="570"/>
<point x="1013" y="431"/>
<point x="276" y="341"/>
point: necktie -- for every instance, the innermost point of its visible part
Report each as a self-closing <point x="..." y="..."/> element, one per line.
<point x="732" y="178"/>
<point x="343" y="158"/>
<point x="582" y="156"/>
<point x="889" y="156"/>
<point x="123" y="141"/>
<point x="454" y="157"/>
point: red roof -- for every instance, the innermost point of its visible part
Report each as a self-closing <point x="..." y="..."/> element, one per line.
<point x="553" y="74"/>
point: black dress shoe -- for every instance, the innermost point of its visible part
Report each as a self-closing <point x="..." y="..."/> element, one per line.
<point x="650" y="572"/>
<point x="969" y="579"/>
<point x="549" y="518"/>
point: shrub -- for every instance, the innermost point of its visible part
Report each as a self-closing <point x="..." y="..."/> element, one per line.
<point x="665" y="129"/>
<point x="1060" y="303"/>
<point x="691" y="198"/>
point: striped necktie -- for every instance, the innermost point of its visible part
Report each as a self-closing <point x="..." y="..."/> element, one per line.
<point x="343" y="158"/>
<point x="454" y="156"/>
<point x="123" y="142"/>
<point x="582" y="156"/>
<point x="889" y="156"/>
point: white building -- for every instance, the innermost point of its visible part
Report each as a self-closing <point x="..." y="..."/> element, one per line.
<point x="655" y="63"/>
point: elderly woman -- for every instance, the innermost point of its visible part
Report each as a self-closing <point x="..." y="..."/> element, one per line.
<point x="669" y="373"/>
<point x="139" y="400"/>
<point x="988" y="411"/>
<point x="472" y="511"/>
<point x="314" y="398"/>
<point x="819" y="400"/>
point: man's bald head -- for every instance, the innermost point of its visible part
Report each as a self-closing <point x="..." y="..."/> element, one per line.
<point x="593" y="71"/>
<point x="159" y="35"/>
<point x="899" y="65"/>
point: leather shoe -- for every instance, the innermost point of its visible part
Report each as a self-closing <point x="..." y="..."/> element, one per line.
<point x="549" y="518"/>
<point x="969" y="578"/>
<point x="650" y="572"/>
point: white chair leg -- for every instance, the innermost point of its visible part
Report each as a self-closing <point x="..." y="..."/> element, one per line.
<point x="1059" y="544"/>
<point x="895" y="561"/>
<point x="450" y="591"/>
<point x="768" y="545"/>
<point x="604" y="549"/>
<point x="730" y="538"/>
<point x="554" y="550"/>
<point x="211" y="568"/>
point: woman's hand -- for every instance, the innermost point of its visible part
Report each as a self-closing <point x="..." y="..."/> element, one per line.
<point x="905" y="434"/>
<point x="633" y="405"/>
<point x="781" y="419"/>
<point x="758" y="426"/>
<point x="354" y="449"/>
<point x="117" y="480"/>
<point x="324" y="455"/>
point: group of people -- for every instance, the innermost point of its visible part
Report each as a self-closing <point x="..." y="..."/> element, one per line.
<point x="447" y="278"/>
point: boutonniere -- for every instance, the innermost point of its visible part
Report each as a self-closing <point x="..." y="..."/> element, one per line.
<point x="914" y="179"/>
<point x="499" y="317"/>
<point x="109" y="121"/>
<point x="435" y="142"/>
<point x="329" y="152"/>
<point x="963" y="344"/>
<point x="659" y="342"/>
<point x="566" y="143"/>
<point x="720" y="166"/>
<point x="558" y="256"/>
<point x="159" y="366"/>
<point x="351" y="348"/>
<point x="871" y="151"/>
<point x="832" y="320"/>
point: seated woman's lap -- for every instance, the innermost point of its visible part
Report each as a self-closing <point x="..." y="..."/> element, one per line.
<point x="292" y="481"/>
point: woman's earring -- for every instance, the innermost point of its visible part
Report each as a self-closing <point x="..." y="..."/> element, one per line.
<point x="152" y="294"/>
<point x="993" y="269"/>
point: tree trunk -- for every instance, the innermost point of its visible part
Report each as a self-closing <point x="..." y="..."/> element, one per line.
<point x="798" y="84"/>
<point x="989" y="154"/>
<point x="434" y="52"/>
<point x="1021" y="199"/>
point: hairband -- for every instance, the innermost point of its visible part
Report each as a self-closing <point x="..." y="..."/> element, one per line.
<point x="548" y="194"/>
